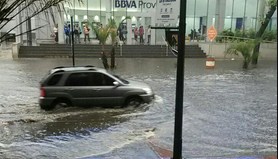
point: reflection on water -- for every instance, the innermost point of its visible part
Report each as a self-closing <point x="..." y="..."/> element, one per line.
<point x="227" y="111"/>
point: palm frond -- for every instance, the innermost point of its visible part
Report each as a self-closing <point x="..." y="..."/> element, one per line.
<point x="9" y="10"/>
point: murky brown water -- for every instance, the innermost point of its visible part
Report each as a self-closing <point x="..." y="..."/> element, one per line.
<point x="227" y="111"/>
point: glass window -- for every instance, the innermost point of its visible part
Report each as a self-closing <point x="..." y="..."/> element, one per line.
<point x="54" y="80"/>
<point x="78" y="79"/>
<point x="121" y="79"/>
<point x="99" y="79"/>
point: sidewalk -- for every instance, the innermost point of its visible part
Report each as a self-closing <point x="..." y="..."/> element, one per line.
<point x="149" y="150"/>
<point x="6" y="54"/>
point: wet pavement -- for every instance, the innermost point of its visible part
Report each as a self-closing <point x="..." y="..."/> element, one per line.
<point x="228" y="112"/>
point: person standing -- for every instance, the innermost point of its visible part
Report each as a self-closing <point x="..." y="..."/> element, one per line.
<point x="86" y="31"/>
<point x="120" y="32"/>
<point x="149" y="34"/>
<point x="135" y="34"/>
<point x="141" y="34"/>
<point x="55" y="30"/>
<point x="67" y="33"/>
<point x="77" y="33"/>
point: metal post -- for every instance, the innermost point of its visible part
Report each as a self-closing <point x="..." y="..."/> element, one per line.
<point x="244" y="17"/>
<point x="74" y="11"/>
<point x="232" y="16"/>
<point x="194" y="16"/>
<point x="72" y="42"/>
<point x="20" y="20"/>
<point x="100" y="11"/>
<point x="207" y="18"/>
<point x="256" y="15"/>
<point x="87" y="10"/>
<point x="113" y="8"/>
<point x="179" y="84"/>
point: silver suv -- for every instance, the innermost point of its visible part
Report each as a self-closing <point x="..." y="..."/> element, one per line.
<point x="90" y="86"/>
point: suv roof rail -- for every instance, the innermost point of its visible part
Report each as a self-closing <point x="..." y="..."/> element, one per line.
<point x="58" y="71"/>
<point x="72" y="66"/>
<point x="59" y="67"/>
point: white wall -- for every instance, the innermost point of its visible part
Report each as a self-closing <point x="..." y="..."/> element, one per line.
<point x="217" y="50"/>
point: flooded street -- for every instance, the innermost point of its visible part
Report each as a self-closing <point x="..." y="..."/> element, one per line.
<point x="228" y="111"/>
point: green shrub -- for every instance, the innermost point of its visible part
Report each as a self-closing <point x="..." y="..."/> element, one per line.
<point x="270" y="35"/>
<point x="244" y="49"/>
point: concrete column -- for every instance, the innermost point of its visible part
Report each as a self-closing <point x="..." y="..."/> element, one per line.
<point x="129" y="32"/>
<point x="19" y="29"/>
<point x="61" y="22"/>
<point x="261" y="12"/>
<point x="108" y="14"/>
<point x="153" y="30"/>
<point x="220" y="15"/>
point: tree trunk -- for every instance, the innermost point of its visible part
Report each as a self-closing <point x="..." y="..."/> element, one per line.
<point x="113" y="57"/>
<point x="104" y="58"/>
<point x="245" y="64"/>
<point x="259" y="34"/>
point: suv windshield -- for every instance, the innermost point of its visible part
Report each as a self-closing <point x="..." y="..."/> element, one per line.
<point x="122" y="80"/>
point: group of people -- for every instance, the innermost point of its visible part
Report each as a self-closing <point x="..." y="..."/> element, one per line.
<point x="122" y="31"/>
<point x="194" y="34"/>
<point x="140" y="32"/>
<point x="76" y="32"/>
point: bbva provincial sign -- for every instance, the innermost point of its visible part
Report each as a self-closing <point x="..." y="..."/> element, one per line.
<point x="133" y="4"/>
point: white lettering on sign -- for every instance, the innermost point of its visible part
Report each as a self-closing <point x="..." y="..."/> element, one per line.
<point x="165" y="1"/>
<point x="167" y="13"/>
<point x="132" y="4"/>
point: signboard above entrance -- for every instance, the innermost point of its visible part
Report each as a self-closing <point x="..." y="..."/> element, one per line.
<point x="134" y="4"/>
<point x="167" y="13"/>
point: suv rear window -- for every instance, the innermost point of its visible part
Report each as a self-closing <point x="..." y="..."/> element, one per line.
<point x="54" y="80"/>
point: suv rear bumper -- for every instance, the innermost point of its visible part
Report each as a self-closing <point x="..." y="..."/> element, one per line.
<point x="45" y="102"/>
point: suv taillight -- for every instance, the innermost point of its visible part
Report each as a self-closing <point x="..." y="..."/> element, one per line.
<point x="42" y="94"/>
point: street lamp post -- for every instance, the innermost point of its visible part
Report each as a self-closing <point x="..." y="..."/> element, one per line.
<point x="72" y="41"/>
<point x="179" y="84"/>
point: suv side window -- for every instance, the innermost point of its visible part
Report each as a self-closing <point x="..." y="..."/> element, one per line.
<point x="54" y="80"/>
<point x="77" y="79"/>
<point x="100" y="79"/>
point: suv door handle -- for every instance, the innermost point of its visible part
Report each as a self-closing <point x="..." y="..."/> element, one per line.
<point x="69" y="89"/>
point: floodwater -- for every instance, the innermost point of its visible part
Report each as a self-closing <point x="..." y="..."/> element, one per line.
<point x="227" y="111"/>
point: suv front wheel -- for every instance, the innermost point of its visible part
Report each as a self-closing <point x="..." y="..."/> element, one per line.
<point x="133" y="101"/>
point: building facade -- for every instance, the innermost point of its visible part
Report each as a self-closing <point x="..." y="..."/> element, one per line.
<point x="200" y="14"/>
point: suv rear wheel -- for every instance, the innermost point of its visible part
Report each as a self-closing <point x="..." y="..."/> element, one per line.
<point x="133" y="101"/>
<point x="60" y="103"/>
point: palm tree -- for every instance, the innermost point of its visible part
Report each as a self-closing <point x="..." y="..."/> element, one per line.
<point x="272" y="8"/>
<point x="9" y="9"/>
<point x="245" y="49"/>
<point x="113" y="34"/>
<point x="102" y="34"/>
<point x="110" y="30"/>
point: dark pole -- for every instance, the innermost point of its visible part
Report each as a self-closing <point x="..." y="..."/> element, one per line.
<point x="232" y="16"/>
<point x="180" y="84"/>
<point x="72" y="42"/>
<point x="256" y="15"/>
<point x="244" y="18"/>
<point x="29" y="34"/>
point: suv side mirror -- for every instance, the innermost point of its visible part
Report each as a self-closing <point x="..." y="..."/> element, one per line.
<point x="116" y="83"/>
